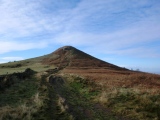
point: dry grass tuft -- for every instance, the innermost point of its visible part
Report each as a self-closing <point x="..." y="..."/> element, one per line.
<point x="23" y="111"/>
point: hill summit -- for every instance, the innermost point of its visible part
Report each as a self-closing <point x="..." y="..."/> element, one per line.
<point x="71" y="57"/>
<point x="70" y="84"/>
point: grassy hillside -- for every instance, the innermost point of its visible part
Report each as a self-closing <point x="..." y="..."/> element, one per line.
<point x="20" y="66"/>
<point x="129" y="94"/>
<point x="77" y="96"/>
<point x="71" y="85"/>
<point x="49" y="97"/>
<point x="67" y="56"/>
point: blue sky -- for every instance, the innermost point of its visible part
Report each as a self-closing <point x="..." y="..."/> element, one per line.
<point x="122" y="32"/>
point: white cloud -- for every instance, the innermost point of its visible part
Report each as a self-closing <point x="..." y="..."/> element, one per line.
<point x="25" y="18"/>
<point x="1" y="62"/>
<point x="17" y="46"/>
<point x="7" y="59"/>
<point x="137" y="27"/>
<point x="111" y="26"/>
<point x="12" y="58"/>
<point x="132" y="40"/>
<point x="24" y="26"/>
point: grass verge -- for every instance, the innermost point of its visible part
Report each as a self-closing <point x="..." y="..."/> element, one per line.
<point x="135" y="105"/>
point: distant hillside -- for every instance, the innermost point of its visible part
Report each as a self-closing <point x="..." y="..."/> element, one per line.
<point x="71" y="57"/>
<point x="64" y="57"/>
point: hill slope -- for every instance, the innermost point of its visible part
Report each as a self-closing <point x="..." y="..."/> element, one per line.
<point x="69" y="84"/>
<point x="71" y="57"/>
<point x="64" y="57"/>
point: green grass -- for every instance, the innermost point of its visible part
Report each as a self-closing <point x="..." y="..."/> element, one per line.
<point x="140" y="106"/>
<point x="8" y="69"/>
<point x="18" y="92"/>
<point x="23" y="99"/>
<point x="30" y="110"/>
<point x="80" y="87"/>
<point x="121" y="102"/>
<point x="52" y="109"/>
<point x="75" y="98"/>
<point x="79" y="94"/>
<point x="33" y="63"/>
<point x="71" y="99"/>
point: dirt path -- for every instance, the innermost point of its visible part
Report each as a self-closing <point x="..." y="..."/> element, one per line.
<point x="72" y="105"/>
<point x="54" y="103"/>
